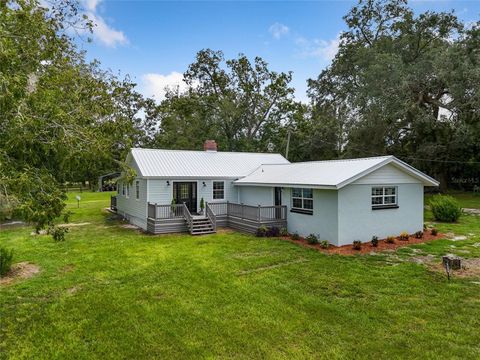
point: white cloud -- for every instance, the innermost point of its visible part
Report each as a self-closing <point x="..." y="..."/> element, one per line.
<point x="155" y="85"/>
<point x="102" y="32"/>
<point x="319" y="48"/>
<point x="278" y="30"/>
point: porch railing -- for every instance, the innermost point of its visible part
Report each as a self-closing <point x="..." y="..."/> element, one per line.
<point x="188" y="217"/>
<point x="171" y="211"/>
<point x="211" y="216"/>
<point x="113" y="203"/>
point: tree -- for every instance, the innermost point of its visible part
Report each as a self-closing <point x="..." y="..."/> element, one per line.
<point x="409" y="85"/>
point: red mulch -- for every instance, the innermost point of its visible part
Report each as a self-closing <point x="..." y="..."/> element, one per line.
<point x="367" y="248"/>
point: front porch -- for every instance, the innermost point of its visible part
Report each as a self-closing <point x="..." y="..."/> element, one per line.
<point x="163" y="219"/>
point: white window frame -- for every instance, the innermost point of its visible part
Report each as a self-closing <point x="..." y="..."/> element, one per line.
<point x="123" y="189"/>
<point x="384" y="194"/>
<point x="213" y="190"/>
<point x="128" y="191"/>
<point x="137" y="190"/>
<point x="303" y="209"/>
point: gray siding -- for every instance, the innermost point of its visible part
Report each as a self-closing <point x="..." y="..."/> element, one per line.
<point x="132" y="209"/>
<point x="323" y="222"/>
<point x="357" y="220"/>
<point x="388" y="174"/>
<point x="256" y="195"/>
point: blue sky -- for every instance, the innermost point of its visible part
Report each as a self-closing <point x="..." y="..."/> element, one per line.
<point x="154" y="41"/>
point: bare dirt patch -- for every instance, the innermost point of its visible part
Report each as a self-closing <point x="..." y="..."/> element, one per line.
<point x="23" y="270"/>
<point x="367" y="248"/>
<point x="67" y="268"/>
<point x="470" y="268"/>
<point x="74" y="224"/>
<point x="269" y="267"/>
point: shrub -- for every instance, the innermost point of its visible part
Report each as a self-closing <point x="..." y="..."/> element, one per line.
<point x="404" y="236"/>
<point x="390" y="239"/>
<point x="374" y="241"/>
<point x="273" y="231"/>
<point x="295" y="236"/>
<point x="419" y="234"/>
<point x="312" y="239"/>
<point x="284" y="232"/>
<point x="261" y="231"/>
<point x="202" y="204"/>
<point x="445" y="208"/>
<point x="357" y="245"/>
<point x="6" y="258"/>
<point x="324" y="244"/>
<point x="434" y="231"/>
<point x="58" y="233"/>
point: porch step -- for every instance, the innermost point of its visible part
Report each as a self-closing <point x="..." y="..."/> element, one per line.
<point x="201" y="226"/>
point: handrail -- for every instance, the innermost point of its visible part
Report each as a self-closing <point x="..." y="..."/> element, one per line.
<point x="188" y="217"/>
<point x="170" y="211"/>
<point x="211" y="216"/>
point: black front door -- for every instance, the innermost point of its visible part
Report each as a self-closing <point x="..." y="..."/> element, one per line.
<point x="186" y="192"/>
<point x="278" y="202"/>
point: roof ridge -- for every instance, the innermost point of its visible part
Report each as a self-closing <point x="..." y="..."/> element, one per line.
<point x="338" y="160"/>
<point x="208" y="152"/>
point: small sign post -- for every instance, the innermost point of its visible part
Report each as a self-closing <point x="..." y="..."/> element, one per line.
<point x="78" y="200"/>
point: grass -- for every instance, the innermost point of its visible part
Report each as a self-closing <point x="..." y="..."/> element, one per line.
<point x="111" y="292"/>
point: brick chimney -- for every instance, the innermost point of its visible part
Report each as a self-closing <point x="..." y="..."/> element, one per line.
<point x="210" y="145"/>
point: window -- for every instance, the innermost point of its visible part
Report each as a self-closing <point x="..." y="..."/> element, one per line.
<point x="128" y="190"/>
<point x="218" y="190"/>
<point x="137" y="189"/>
<point x="123" y="189"/>
<point x="384" y="197"/>
<point x="302" y="200"/>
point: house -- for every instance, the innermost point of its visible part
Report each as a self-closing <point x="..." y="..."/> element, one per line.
<point x="338" y="200"/>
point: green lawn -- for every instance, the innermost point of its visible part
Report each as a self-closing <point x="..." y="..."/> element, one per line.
<point x="111" y="292"/>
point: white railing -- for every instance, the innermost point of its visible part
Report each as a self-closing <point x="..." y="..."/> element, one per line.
<point x="188" y="217"/>
<point x="211" y="216"/>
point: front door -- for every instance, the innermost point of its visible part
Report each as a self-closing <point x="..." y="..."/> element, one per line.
<point x="186" y="192"/>
<point x="278" y="202"/>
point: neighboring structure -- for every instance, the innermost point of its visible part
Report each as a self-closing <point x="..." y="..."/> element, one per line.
<point x="339" y="200"/>
<point x="107" y="182"/>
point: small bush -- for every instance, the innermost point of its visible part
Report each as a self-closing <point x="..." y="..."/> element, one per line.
<point x="284" y="232"/>
<point x="374" y="241"/>
<point x="357" y="245"/>
<point x="6" y="258"/>
<point x="324" y="244"/>
<point x="58" y="233"/>
<point x="445" y="208"/>
<point x="419" y="234"/>
<point x="312" y="239"/>
<point x="390" y="239"/>
<point x="434" y="231"/>
<point x="295" y="236"/>
<point x="273" y="231"/>
<point x="261" y="231"/>
<point x="404" y="236"/>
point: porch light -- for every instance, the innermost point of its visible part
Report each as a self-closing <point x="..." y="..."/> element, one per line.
<point x="203" y="183"/>
<point x="168" y="182"/>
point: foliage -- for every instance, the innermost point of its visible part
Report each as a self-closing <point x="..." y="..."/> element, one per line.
<point x="284" y="232"/>
<point x="357" y="245"/>
<point x="445" y="208"/>
<point x="403" y="83"/>
<point x="312" y="239"/>
<point x="202" y="204"/>
<point x="434" y="231"/>
<point x="374" y="241"/>
<point x="58" y="232"/>
<point x="295" y="236"/>
<point x="419" y="234"/>
<point x="390" y="240"/>
<point x="272" y="231"/>
<point x="404" y="236"/>
<point x="6" y="259"/>
<point x="261" y="231"/>
<point x="324" y="244"/>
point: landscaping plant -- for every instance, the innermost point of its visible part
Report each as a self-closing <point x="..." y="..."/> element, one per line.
<point x="272" y="231"/>
<point x="404" y="236"/>
<point x="434" y="231"/>
<point x="312" y="239"/>
<point x="202" y="204"/>
<point x="284" y="232"/>
<point x="419" y="234"/>
<point x="445" y="208"/>
<point x="357" y="245"/>
<point x="6" y="258"/>
<point x="295" y="236"/>
<point x="58" y="233"/>
<point x="324" y="244"/>
<point x="261" y="231"/>
<point x="390" y="239"/>
<point x="374" y="241"/>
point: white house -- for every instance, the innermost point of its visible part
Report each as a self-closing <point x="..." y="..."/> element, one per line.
<point x="338" y="200"/>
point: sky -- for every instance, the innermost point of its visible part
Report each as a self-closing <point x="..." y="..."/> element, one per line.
<point x="154" y="41"/>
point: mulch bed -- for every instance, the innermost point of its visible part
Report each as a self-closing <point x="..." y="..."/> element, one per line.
<point x="367" y="248"/>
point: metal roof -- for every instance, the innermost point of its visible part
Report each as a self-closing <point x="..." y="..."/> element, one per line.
<point x="159" y="163"/>
<point x="333" y="174"/>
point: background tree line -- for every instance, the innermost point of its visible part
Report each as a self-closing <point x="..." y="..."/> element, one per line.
<point x="400" y="84"/>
